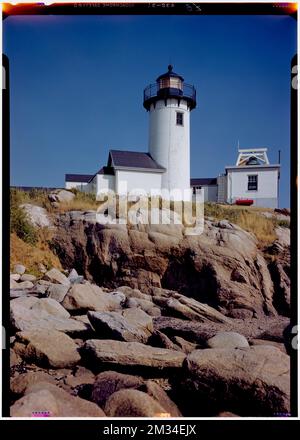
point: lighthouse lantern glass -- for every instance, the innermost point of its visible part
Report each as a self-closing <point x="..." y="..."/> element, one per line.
<point x="170" y="82"/>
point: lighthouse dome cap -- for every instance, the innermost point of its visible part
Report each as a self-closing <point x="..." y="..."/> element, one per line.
<point x="170" y="74"/>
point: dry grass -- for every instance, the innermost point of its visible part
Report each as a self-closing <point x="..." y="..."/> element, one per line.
<point x="78" y="205"/>
<point x="249" y="219"/>
<point x="32" y="255"/>
<point x="81" y="202"/>
<point x="263" y="228"/>
<point x="35" y="196"/>
<point x="248" y="208"/>
<point x="32" y="252"/>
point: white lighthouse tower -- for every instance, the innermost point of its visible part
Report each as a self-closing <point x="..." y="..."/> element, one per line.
<point x="169" y="102"/>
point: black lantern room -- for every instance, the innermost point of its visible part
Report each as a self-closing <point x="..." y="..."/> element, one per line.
<point x="169" y="85"/>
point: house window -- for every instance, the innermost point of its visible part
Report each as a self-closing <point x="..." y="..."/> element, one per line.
<point x="179" y="118"/>
<point x="252" y="183"/>
<point x="195" y="188"/>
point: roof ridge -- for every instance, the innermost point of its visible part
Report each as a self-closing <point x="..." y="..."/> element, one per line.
<point x="130" y="151"/>
<point x="134" y="159"/>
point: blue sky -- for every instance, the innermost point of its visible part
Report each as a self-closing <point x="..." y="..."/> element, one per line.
<point x="77" y="85"/>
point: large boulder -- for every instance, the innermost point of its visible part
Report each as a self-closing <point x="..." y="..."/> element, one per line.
<point x="44" y="396"/>
<point x="37" y="215"/>
<point x="178" y="305"/>
<point x="277" y="331"/>
<point x="157" y="393"/>
<point x="282" y="282"/>
<point x="57" y="292"/>
<point x="222" y="268"/>
<point x="279" y="267"/>
<point x="278" y="345"/>
<point x="80" y="377"/>
<point x="41" y="286"/>
<point x="267" y="328"/>
<point x="27" y="277"/>
<point x="145" y="305"/>
<point x="186" y="346"/>
<point x="192" y="331"/>
<point x="112" y="325"/>
<point x="39" y="404"/>
<point x="227" y="340"/>
<point x="74" y="277"/>
<point x="61" y="196"/>
<point x="134" y="293"/>
<point x="132" y="403"/>
<point x="55" y="276"/>
<point x="23" y="285"/>
<point x="20" y="383"/>
<point x="283" y="236"/>
<point x="250" y="382"/>
<point x="14" y="358"/>
<point x="50" y="306"/>
<point x="159" y="339"/>
<point x="13" y="284"/>
<point x="48" y="348"/>
<point x="84" y="297"/>
<point x="109" y="382"/>
<point x="140" y="319"/>
<point x="19" y="269"/>
<point x="131" y="354"/>
<point x="30" y="313"/>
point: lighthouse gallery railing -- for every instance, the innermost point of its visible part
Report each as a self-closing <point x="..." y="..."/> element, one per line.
<point x="154" y="90"/>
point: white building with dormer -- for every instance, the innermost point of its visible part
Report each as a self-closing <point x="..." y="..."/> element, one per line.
<point x="252" y="178"/>
<point x="165" y="167"/>
<point x="166" y="164"/>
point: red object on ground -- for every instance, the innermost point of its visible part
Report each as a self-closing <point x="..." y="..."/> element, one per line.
<point x="244" y="202"/>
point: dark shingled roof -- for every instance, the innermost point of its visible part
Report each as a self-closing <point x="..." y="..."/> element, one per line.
<point x="133" y="159"/>
<point x="204" y="181"/>
<point x="78" y="177"/>
<point x="106" y="170"/>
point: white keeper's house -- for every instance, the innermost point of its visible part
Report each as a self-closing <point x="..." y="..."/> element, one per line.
<point x="166" y="164"/>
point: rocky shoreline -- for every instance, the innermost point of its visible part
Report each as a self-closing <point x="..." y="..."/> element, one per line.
<point x="149" y="322"/>
<point x="97" y="353"/>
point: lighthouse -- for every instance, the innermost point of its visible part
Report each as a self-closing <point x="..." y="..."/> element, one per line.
<point x="169" y="102"/>
<point x="166" y="164"/>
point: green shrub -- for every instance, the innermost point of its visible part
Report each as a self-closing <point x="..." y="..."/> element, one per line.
<point x="18" y="219"/>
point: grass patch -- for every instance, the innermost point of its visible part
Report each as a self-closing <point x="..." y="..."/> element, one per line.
<point x="30" y="245"/>
<point x="249" y="219"/>
<point x="37" y="197"/>
<point x="81" y="202"/>
<point x="32" y="255"/>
